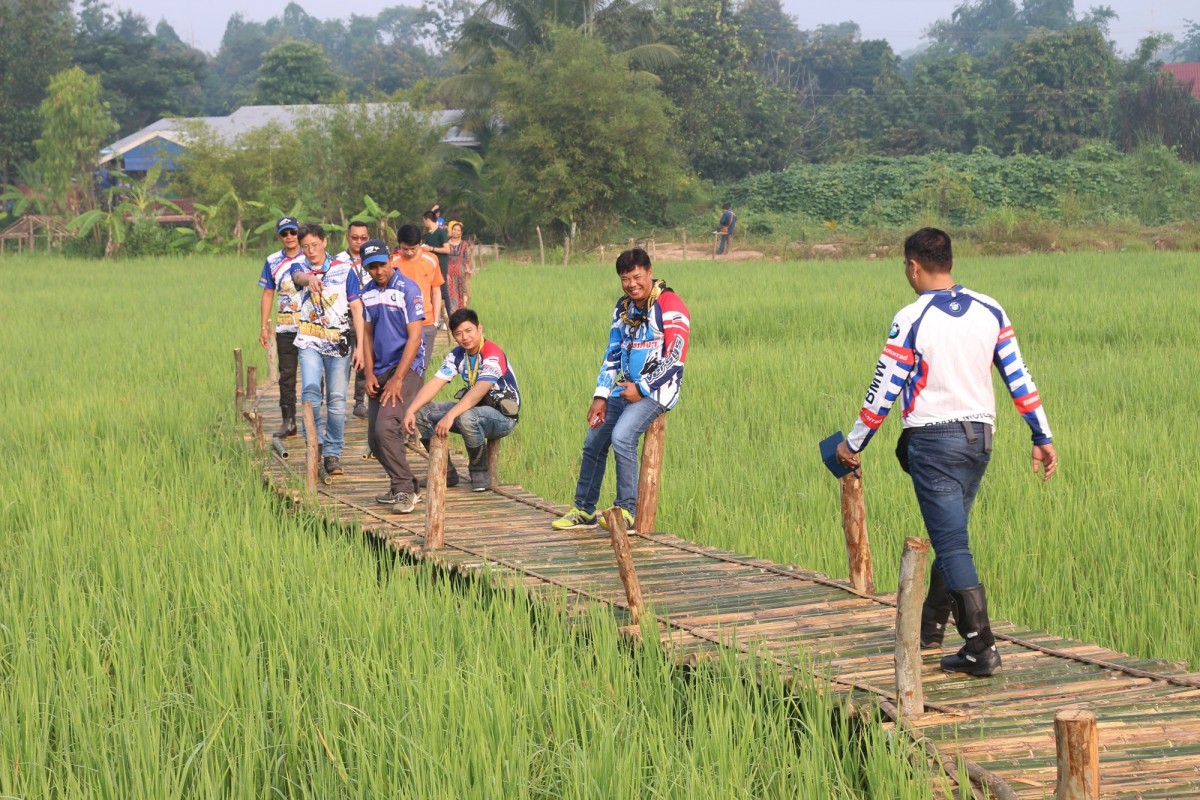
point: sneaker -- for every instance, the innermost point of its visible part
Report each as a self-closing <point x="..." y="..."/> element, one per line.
<point x="574" y="519"/>
<point x="333" y="465"/>
<point x="360" y="410"/>
<point x="388" y="498"/>
<point x="628" y="520"/>
<point x="405" y="503"/>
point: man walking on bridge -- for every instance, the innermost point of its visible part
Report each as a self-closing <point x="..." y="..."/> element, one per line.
<point x="640" y="379"/>
<point x="276" y="283"/>
<point x="938" y="358"/>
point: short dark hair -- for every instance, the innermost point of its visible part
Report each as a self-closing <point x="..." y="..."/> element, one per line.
<point x="408" y="235"/>
<point x="632" y="259"/>
<point x="312" y="229"/>
<point x="461" y="316"/>
<point x="930" y="247"/>
<point x="430" y="215"/>
<point x="357" y="223"/>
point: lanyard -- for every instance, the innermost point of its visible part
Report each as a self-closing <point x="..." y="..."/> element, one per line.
<point x="473" y="366"/>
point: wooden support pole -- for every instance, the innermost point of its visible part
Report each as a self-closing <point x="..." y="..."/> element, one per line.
<point x="910" y="696"/>
<point x="854" y="525"/>
<point x="435" y="496"/>
<point x="239" y="380"/>
<point x="493" y="446"/>
<point x="1078" y="755"/>
<point x="272" y="355"/>
<point x="256" y="425"/>
<point x="650" y="474"/>
<point x="311" y="453"/>
<point x="541" y="245"/>
<point x="620" y="546"/>
<point x="251" y="384"/>
<point x="566" y="250"/>
<point x="653" y="251"/>
<point x="684" y="243"/>
<point x="716" y="241"/>
<point x="496" y="250"/>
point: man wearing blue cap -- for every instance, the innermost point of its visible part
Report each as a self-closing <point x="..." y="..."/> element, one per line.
<point x="394" y="350"/>
<point x="276" y="283"/>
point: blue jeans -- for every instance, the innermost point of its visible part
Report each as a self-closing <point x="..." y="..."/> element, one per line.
<point x="335" y="370"/>
<point x="946" y="470"/>
<point x="476" y="425"/>
<point x="623" y="426"/>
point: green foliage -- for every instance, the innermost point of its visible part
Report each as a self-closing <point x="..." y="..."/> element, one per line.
<point x="75" y="122"/>
<point x="1095" y="185"/>
<point x="35" y="43"/>
<point x="294" y="73"/>
<point x="585" y="139"/>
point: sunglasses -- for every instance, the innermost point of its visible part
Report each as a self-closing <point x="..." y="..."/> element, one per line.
<point x="287" y="232"/>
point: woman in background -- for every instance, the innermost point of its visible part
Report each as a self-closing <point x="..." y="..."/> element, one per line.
<point x="458" y="267"/>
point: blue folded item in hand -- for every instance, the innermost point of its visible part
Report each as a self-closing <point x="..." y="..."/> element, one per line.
<point x="829" y="447"/>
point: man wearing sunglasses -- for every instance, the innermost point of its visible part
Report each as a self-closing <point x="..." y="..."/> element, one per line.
<point x="280" y="291"/>
<point x="356" y="236"/>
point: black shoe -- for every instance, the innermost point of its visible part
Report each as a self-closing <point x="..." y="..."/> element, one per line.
<point x="360" y="410"/>
<point x="333" y="465"/>
<point x="979" y="655"/>
<point x="288" y="428"/>
<point x="935" y="612"/>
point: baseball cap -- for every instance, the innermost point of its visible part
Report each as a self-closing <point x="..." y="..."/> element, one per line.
<point x="287" y="223"/>
<point x="373" y="252"/>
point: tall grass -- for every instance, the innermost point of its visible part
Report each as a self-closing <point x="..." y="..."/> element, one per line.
<point x="167" y="629"/>
<point x="781" y="354"/>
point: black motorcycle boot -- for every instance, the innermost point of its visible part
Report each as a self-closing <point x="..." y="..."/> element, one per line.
<point x="935" y="612"/>
<point x="288" y="428"/>
<point x="978" y="656"/>
<point x="477" y="460"/>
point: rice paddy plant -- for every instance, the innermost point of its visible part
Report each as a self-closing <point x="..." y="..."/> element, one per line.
<point x="168" y="629"/>
<point x="781" y="353"/>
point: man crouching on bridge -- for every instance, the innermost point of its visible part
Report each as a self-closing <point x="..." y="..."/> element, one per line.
<point x="938" y="356"/>
<point x="639" y="380"/>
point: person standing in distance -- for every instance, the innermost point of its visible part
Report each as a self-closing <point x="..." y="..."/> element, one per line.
<point x="436" y="240"/>
<point x="938" y="361"/>
<point x="356" y="236"/>
<point x="276" y="283"/>
<point x="725" y="227"/>
<point x="640" y="378"/>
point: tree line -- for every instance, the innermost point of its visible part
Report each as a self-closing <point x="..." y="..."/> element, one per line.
<point x="592" y="113"/>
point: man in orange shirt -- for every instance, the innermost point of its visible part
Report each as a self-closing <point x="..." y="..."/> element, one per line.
<point x="420" y="266"/>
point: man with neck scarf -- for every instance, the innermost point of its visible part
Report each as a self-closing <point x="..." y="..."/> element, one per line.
<point x="639" y="380"/>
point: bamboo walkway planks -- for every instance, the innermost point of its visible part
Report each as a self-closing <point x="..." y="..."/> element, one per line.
<point x="1002" y="727"/>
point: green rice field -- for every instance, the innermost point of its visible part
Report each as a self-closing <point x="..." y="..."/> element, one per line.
<point x="169" y="629"/>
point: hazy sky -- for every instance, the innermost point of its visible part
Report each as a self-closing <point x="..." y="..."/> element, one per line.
<point x="901" y="22"/>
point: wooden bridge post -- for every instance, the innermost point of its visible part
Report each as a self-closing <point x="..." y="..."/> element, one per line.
<point x="239" y="380"/>
<point x="1078" y="755"/>
<point x="910" y="696"/>
<point x="493" y="448"/>
<point x="260" y="441"/>
<point x="311" y="457"/>
<point x="272" y="355"/>
<point x="541" y="245"/>
<point x="620" y="545"/>
<point x="649" y="475"/>
<point x="684" y="257"/>
<point x="251" y="384"/>
<point x="435" y="495"/>
<point x="566" y="250"/>
<point x="854" y="525"/>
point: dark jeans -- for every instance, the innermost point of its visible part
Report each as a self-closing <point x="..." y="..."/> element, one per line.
<point x="289" y="364"/>
<point x="360" y="377"/>
<point x="385" y="432"/>
<point x="946" y="469"/>
<point x="722" y="244"/>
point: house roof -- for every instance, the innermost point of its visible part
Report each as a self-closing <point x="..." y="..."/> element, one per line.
<point x="249" y="118"/>
<point x="1185" y="73"/>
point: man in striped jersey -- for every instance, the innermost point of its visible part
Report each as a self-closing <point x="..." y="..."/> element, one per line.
<point x="938" y="361"/>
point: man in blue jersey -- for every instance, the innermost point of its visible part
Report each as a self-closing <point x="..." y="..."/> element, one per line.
<point x="486" y="407"/>
<point x="330" y="309"/>
<point x="938" y="361"/>
<point x="276" y="283"/>
<point x="395" y="355"/>
<point x="640" y="379"/>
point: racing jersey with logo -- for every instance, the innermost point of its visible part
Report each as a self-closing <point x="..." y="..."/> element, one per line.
<point x="489" y="365"/>
<point x="648" y="348"/>
<point x="324" y="319"/>
<point x="363" y="277"/>
<point x="938" y="359"/>
<point x="277" y="276"/>
<point x="389" y="310"/>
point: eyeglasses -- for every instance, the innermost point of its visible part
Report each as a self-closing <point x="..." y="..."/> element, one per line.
<point x="288" y="232"/>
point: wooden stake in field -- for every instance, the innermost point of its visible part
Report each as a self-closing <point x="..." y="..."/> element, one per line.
<point x="649" y="475"/>
<point x="435" y="497"/>
<point x="311" y="467"/>
<point x="854" y="525"/>
<point x="252" y="384"/>
<point x="684" y="258"/>
<point x="620" y="544"/>
<point x="272" y="355"/>
<point x="1078" y="755"/>
<point x="541" y="245"/>
<point x="260" y="441"/>
<point x="566" y="250"/>
<point x="910" y="696"/>
<point x="239" y="380"/>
